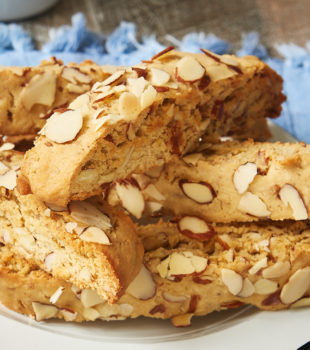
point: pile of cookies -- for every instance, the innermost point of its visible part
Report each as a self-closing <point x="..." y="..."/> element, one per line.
<point x="130" y="204"/>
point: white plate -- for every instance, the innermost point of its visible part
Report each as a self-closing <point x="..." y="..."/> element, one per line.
<point x="241" y="328"/>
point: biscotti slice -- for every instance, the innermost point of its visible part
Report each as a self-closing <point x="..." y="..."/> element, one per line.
<point x="143" y="116"/>
<point x="264" y="265"/>
<point x="86" y="243"/>
<point x="225" y="182"/>
<point x="30" y="94"/>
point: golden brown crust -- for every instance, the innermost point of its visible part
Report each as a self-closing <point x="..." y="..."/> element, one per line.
<point x="128" y="125"/>
<point x="18" y="115"/>
<point x="207" y="183"/>
<point x="269" y="262"/>
<point x="87" y="243"/>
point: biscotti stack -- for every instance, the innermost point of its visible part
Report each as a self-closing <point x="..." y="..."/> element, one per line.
<point x="144" y="142"/>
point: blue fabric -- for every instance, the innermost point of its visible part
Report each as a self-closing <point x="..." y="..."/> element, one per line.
<point x="76" y="43"/>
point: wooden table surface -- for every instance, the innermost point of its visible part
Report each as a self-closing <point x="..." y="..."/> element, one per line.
<point x="275" y="20"/>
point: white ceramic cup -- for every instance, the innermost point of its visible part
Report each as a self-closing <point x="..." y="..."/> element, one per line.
<point x="18" y="9"/>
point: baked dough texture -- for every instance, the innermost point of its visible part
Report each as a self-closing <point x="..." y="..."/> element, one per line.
<point x="30" y="94"/>
<point x="142" y="116"/>
<point x="87" y="243"/>
<point x="228" y="182"/>
<point x="266" y="265"/>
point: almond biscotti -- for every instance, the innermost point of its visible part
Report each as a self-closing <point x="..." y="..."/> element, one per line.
<point x="143" y="116"/>
<point x="30" y="94"/>
<point x="226" y="182"/>
<point x="86" y="243"/>
<point x="264" y="265"/>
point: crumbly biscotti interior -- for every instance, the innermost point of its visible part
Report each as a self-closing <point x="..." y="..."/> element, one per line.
<point x="87" y="243"/>
<point x="142" y="116"/>
<point x="266" y="265"/>
<point x="225" y="182"/>
<point x="30" y="94"/>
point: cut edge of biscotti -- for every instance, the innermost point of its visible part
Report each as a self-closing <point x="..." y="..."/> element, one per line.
<point x="142" y="116"/>
<point x="180" y="278"/>
<point x="87" y="243"/>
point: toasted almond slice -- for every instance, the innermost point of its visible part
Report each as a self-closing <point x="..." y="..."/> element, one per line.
<point x="174" y="298"/>
<point x="95" y="235"/>
<point x="68" y="315"/>
<point x="148" y="97"/>
<point x="277" y="270"/>
<point x="247" y="289"/>
<point x="63" y="127"/>
<point x="192" y="159"/>
<point x="159" y="77"/>
<point x="74" y="75"/>
<point x="200" y="192"/>
<point x="131" y="198"/>
<point x="56" y="295"/>
<point x="113" y="78"/>
<point x="41" y="89"/>
<point x="8" y="180"/>
<point x="43" y="311"/>
<point x="86" y="213"/>
<point x="129" y="106"/>
<point x="153" y="193"/>
<point x="253" y="205"/>
<point x="296" y="286"/>
<point x="188" y="69"/>
<point x="195" y="227"/>
<point x="136" y="86"/>
<point x="244" y="175"/>
<point x="301" y="303"/>
<point x="264" y="286"/>
<point x="3" y="168"/>
<point x="232" y="280"/>
<point x="143" y="286"/>
<point x="90" y="298"/>
<point x="79" y="102"/>
<point x="49" y="261"/>
<point x="258" y="266"/>
<point x="290" y="195"/>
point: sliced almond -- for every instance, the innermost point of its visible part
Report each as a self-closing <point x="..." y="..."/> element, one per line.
<point x="188" y="69"/>
<point x="153" y="207"/>
<point x="86" y="213"/>
<point x="90" y="298"/>
<point x="243" y="176"/>
<point x="63" y="127"/>
<point x="3" y="168"/>
<point x="152" y="192"/>
<point x="41" y="89"/>
<point x="56" y="208"/>
<point x="7" y="146"/>
<point x="143" y="286"/>
<point x="70" y="226"/>
<point x="79" y="102"/>
<point x="174" y="298"/>
<point x="219" y="72"/>
<point x="258" y="266"/>
<point x="77" y="89"/>
<point x="54" y="298"/>
<point x="148" y="97"/>
<point x="7" y="237"/>
<point x="142" y="180"/>
<point x="44" y="311"/>
<point x="49" y="261"/>
<point x="95" y="235"/>
<point x="195" y="227"/>
<point x="277" y="270"/>
<point x="296" y="286"/>
<point x="232" y="280"/>
<point x="247" y="290"/>
<point x="90" y="314"/>
<point x="68" y="315"/>
<point x="113" y="78"/>
<point x="159" y="77"/>
<point x="253" y="205"/>
<point x="181" y="264"/>
<point x="131" y="198"/>
<point x="74" y="75"/>
<point x="264" y="286"/>
<point x="193" y="158"/>
<point x="136" y="86"/>
<point x="8" y="180"/>
<point x="290" y="195"/>
<point x="182" y="320"/>
<point x="200" y="192"/>
<point x="129" y="106"/>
